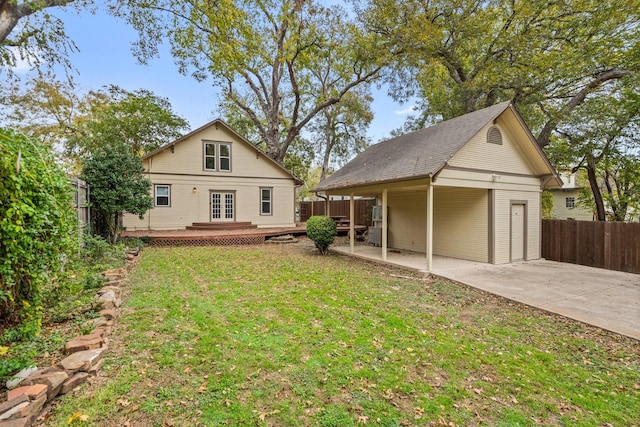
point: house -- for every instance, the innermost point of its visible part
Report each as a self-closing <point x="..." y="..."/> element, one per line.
<point x="213" y="174"/>
<point x="565" y="200"/>
<point x="467" y="188"/>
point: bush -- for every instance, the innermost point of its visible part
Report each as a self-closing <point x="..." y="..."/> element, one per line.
<point x="37" y="229"/>
<point x="322" y="230"/>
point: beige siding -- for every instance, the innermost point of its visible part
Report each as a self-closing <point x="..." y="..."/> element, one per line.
<point x="183" y="170"/>
<point x="480" y="154"/>
<point x="188" y="158"/>
<point x="407" y="220"/>
<point x="503" y="201"/>
<point x="560" y="210"/>
<point x="460" y="227"/>
<point x="188" y="206"/>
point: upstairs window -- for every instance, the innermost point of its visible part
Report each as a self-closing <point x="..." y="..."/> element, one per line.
<point x="265" y="201"/>
<point x="162" y="195"/>
<point x="217" y="156"/>
<point x="225" y="157"/>
<point x="210" y="156"/>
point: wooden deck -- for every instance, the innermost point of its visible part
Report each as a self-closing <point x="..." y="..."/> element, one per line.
<point x="223" y="237"/>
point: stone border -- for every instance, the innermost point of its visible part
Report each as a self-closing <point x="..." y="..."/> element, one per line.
<point x="32" y="388"/>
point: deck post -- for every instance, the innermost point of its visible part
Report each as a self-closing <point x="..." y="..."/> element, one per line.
<point x="384" y="224"/>
<point x="352" y="227"/>
<point x="429" y="227"/>
<point x="327" y="209"/>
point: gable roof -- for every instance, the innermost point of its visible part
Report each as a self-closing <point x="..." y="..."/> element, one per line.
<point x="220" y="122"/>
<point x="419" y="154"/>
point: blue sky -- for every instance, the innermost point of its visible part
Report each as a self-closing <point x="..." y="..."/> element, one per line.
<point x="105" y="58"/>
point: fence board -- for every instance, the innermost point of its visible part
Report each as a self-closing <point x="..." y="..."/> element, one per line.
<point x="338" y="208"/>
<point x="611" y="245"/>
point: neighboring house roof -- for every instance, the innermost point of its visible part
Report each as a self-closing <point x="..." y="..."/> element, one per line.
<point x="419" y="154"/>
<point x="220" y="122"/>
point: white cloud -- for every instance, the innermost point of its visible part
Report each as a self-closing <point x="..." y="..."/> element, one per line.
<point x="410" y="109"/>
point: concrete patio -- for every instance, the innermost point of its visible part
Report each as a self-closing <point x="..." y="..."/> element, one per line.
<point x="603" y="298"/>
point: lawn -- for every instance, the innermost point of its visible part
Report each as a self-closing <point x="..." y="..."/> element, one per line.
<point x="280" y="336"/>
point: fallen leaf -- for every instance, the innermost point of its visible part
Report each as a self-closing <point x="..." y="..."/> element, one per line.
<point x="362" y="419"/>
<point x="3" y="350"/>
<point x="123" y="402"/>
<point x="78" y="416"/>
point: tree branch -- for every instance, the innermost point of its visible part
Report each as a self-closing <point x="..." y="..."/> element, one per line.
<point x="577" y="99"/>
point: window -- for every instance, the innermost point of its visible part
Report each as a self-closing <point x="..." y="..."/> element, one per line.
<point x="162" y="195"/>
<point x="265" y="201"/>
<point x="570" y="202"/>
<point x="217" y="156"/>
<point x="225" y="157"/>
<point x="494" y="136"/>
<point x="209" y="156"/>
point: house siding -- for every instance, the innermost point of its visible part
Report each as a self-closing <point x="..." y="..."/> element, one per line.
<point x="478" y="153"/>
<point x="461" y="223"/>
<point x="181" y="166"/>
<point x="407" y="221"/>
<point x="502" y="224"/>
<point x="560" y="210"/>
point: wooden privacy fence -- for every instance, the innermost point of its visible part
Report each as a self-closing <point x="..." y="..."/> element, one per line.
<point x="338" y="208"/>
<point x="610" y="245"/>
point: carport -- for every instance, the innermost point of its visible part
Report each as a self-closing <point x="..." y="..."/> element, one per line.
<point x="468" y="188"/>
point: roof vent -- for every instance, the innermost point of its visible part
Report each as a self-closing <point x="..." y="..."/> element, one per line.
<point x="494" y="136"/>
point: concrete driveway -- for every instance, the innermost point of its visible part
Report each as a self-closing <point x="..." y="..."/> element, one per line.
<point x="604" y="298"/>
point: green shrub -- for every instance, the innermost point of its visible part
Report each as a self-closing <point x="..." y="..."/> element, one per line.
<point x="37" y="229"/>
<point x="322" y="230"/>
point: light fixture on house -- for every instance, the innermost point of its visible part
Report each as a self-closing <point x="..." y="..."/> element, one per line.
<point x="495" y="177"/>
<point x="194" y="189"/>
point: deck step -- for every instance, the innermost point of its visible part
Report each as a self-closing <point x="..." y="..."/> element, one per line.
<point x="221" y="226"/>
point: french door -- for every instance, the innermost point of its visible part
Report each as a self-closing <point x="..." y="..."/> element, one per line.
<point x="222" y="206"/>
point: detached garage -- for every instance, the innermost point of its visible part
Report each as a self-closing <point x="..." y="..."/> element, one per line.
<point x="467" y="188"/>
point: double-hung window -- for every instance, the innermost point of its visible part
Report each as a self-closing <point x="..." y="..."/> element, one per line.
<point x="162" y="195"/>
<point x="570" y="202"/>
<point x="266" y="196"/>
<point x="217" y="156"/>
<point x="224" y="157"/>
<point x="210" y="156"/>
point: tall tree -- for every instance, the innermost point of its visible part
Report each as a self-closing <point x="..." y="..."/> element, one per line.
<point x="546" y="56"/>
<point x="602" y="139"/>
<point x="340" y="130"/>
<point x="43" y="108"/>
<point x="140" y="120"/>
<point x="29" y="33"/>
<point x="53" y="112"/>
<point x="260" y="54"/>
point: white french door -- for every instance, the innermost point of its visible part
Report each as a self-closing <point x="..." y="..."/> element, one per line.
<point x="222" y="207"/>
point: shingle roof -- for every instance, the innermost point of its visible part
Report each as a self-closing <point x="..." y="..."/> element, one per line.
<point x="418" y="154"/>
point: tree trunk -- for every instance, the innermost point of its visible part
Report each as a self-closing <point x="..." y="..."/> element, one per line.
<point x="11" y="13"/>
<point x="595" y="189"/>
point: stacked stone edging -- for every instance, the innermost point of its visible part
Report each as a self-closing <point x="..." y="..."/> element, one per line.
<point x="31" y="391"/>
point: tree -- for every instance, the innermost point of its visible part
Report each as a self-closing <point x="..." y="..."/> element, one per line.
<point x="40" y="37"/>
<point x="602" y="140"/>
<point x="546" y="56"/>
<point x="112" y="116"/>
<point x="53" y="112"/>
<point x="260" y="54"/>
<point x="115" y="176"/>
<point x="44" y="108"/>
<point x="37" y="227"/>
<point x="340" y="130"/>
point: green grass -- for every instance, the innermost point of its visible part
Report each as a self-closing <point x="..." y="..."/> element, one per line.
<point x="281" y="336"/>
